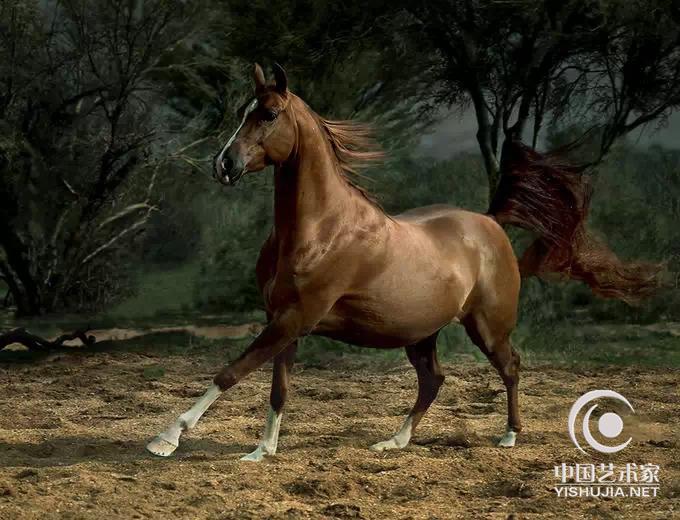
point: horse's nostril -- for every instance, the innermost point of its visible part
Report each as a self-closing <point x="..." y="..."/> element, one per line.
<point x="227" y="165"/>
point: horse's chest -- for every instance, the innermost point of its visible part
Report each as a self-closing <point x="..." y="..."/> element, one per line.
<point x="278" y="293"/>
<point x="284" y="287"/>
<point x="302" y="269"/>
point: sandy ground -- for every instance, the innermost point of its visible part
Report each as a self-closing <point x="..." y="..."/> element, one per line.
<point x="73" y="429"/>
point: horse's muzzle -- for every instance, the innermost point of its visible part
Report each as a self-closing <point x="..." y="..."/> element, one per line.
<point x="232" y="179"/>
<point x="226" y="172"/>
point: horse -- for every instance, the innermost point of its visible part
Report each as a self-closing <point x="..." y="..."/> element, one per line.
<point x="336" y="264"/>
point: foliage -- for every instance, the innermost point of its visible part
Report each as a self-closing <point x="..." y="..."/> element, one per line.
<point x="614" y="65"/>
<point x="77" y="120"/>
<point x="237" y="224"/>
<point x="408" y="182"/>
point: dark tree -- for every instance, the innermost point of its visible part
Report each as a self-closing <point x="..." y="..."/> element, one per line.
<point x="613" y="66"/>
<point x="77" y="120"/>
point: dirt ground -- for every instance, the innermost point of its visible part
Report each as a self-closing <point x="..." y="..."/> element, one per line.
<point x="73" y="429"/>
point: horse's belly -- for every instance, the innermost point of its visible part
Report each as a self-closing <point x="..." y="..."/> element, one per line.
<point x="389" y="322"/>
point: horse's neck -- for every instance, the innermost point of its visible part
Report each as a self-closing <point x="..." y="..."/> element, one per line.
<point x="309" y="189"/>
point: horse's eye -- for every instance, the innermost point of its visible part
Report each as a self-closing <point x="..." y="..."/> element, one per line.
<point x="270" y="115"/>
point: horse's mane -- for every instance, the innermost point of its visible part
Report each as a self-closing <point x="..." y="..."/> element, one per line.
<point x="353" y="143"/>
<point x="354" y="147"/>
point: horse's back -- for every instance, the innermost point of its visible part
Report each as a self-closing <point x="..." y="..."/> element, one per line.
<point x="424" y="213"/>
<point x="455" y="215"/>
<point x="473" y="238"/>
<point x="450" y="225"/>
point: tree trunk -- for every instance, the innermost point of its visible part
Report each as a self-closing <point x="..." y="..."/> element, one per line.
<point x="486" y="141"/>
<point x="27" y="304"/>
<point x="493" y="175"/>
<point x="19" y="272"/>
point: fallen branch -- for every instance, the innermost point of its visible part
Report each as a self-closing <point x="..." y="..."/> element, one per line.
<point x="33" y="342"/>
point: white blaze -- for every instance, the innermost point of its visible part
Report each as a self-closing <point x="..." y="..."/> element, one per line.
<point x="252" y="106"/>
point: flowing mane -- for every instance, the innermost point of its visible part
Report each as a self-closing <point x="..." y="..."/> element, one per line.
<point x="353" y="143"/>
<point x="354" y="147"/>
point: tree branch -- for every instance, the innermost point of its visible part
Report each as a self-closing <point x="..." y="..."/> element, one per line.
<point x="33" y="342"/>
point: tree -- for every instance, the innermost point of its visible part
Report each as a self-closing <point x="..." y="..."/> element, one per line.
<point x="611" y="64"/>
<point x="342" y="58"/>
<point x="76" y="124"/>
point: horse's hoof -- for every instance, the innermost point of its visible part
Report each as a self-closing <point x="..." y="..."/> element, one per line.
<point x="160" y="447"/>
<point x="389" y="444"/>
<point x="255" y="456"/>
<point x="508" y="440"/>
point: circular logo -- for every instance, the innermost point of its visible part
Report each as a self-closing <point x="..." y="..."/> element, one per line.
<point x="610" y="425"/>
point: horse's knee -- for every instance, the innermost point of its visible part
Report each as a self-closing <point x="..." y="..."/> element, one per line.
<point x="516" y="361"/>
<point x="225" y="379"/>
<point x="510" y="374"/>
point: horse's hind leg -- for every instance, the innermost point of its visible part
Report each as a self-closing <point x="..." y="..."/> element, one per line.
<point x="283" y="364"/>
<point x="493" y="340"/>
<point x="423" y="357"/>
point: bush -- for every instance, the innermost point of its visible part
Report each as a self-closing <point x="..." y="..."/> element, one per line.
<point x="236" y="222"/>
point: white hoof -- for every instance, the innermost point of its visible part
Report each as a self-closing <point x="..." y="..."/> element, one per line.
<point x="257" y="455"/>
<point x="398" y="441"/>
<point x="508" y="440"/>
<point x="161" y="447"/>
<point x="389" y="444"/>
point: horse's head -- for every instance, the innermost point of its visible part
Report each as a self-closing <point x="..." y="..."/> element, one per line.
<point x="266" y="134"/>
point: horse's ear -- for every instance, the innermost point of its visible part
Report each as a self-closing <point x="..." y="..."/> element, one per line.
<point x="280" y="78"/>
<point x="258" y="76"/>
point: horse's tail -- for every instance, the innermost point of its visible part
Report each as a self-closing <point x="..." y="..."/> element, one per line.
<point x="545" y="195"/>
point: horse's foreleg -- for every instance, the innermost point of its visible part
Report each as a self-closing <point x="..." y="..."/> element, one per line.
<point x="276" y="336"/>
<point x="166" y="442"/>
<point x="423" y="357"/>
<point x="283" y="364"/>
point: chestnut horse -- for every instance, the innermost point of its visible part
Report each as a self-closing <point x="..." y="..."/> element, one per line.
<point x="335" y="264"/>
